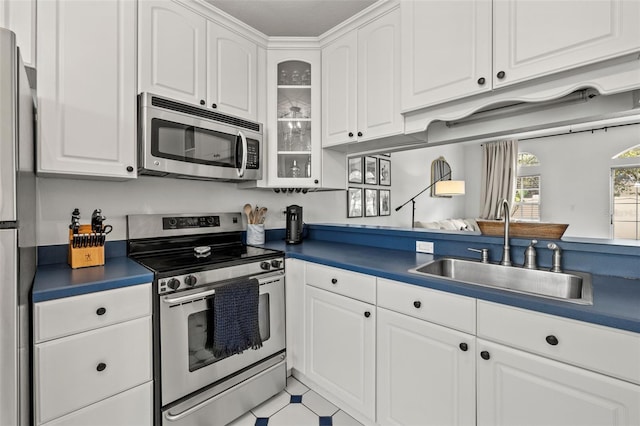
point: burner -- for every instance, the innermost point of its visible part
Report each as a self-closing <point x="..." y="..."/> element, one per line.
<point x="202" y="251"/>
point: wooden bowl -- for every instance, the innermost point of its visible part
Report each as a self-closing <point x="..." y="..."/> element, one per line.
<point x="552" y="231"/>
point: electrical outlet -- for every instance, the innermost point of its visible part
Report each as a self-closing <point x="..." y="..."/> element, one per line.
<point x="424" y="247"/>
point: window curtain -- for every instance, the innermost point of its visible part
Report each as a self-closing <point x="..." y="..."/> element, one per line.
<point x="499" y="170"/>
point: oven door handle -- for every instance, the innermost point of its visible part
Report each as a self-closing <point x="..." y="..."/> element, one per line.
<point x="199" y="295"/>
<point x="189" y="297"/>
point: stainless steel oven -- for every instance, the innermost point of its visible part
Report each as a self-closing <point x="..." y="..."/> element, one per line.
<point x="194" y="258"/>
<point x="189" y="141"/>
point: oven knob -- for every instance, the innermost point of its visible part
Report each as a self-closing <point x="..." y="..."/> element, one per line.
<point x="276" y="263"/>
<point x="190" y="280"/>
<point x="265" y="265"/>
<point x="173" y="283"/>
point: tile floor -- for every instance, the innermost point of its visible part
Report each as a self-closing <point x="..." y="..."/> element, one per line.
<point x="297" y="405"/>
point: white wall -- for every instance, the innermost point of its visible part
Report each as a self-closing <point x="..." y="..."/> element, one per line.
<point x="574" y="183"/>
<point x="410" y="173"/>
<point x="58" y="197"/>
<point x="575" y="177"/>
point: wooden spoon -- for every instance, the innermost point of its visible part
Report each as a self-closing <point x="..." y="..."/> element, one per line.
<point x="248" y="210"/>
<point x="261" y="215"/>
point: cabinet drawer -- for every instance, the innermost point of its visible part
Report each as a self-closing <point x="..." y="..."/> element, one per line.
<point x="63" y="317"/>
<point x="76" y="371"/>
<point x="602" y="349"/>
<point x="133" y="407"/>
<point x="447" y="309"/>
<point x="351" y="284"/>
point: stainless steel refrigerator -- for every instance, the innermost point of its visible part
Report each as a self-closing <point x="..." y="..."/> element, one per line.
<point x="17" y="232"/>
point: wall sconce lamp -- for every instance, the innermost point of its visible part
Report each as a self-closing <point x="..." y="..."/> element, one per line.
<point x="442" y="187"/>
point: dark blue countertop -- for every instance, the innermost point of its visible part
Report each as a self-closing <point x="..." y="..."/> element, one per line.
<point x="616" y="300"/>
<point x="58" y="280"/>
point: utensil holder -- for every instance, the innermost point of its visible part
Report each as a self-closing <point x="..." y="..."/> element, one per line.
<point x="255" y="234"/>
<point x="81" y="257"/>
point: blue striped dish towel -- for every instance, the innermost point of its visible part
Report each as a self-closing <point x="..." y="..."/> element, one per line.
<point x="233" y="318"/>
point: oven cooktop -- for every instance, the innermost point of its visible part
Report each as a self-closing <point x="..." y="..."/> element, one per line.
<point x="181" y="243"/>
<point x="194" y="260"/>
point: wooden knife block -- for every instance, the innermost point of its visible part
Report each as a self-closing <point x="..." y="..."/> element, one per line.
<point x="81" y="257"/>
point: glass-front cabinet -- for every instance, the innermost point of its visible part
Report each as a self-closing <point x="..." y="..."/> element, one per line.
<point x="294" y="110"/>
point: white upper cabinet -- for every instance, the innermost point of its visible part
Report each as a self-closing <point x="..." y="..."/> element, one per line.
<point x="294" y="152"/>
<point x="172" y="52"/>
<point x="339" y="90"/>
<point x="232" y="72"/>
<point x="361" y="82"/>
<point x="532" y="38"/>
<point x="20" y="17"/>
<point x="456" y="49"/>
<point x="87" y="88"/>
<point x="446" y="50"/>
<point x="186" y="57"/>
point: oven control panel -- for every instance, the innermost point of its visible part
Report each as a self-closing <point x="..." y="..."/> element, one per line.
<point x="188" y="222"/>
<point x="208" y="277"/>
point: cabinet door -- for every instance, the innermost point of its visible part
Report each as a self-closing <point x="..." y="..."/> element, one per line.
<point x="517" y="388"/>
<point x="446" y="51"/>
<point x="79" y="370"/>
<point x="172" y="51"/>
<point x="20" y="17"/>
<point x="532" y="38"/>
<point x="87" y="88"/>
<point x="339" y="87"/>
<point x="231" y="72"/>
<point x="294" y="135"/>
<point x="379" y="78"/>
<point x="132" y="407"/>
<point x="426" y="373"/>
<point x="340" y="347"/>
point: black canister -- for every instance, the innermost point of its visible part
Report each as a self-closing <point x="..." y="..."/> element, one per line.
<point x="294" y="224"/>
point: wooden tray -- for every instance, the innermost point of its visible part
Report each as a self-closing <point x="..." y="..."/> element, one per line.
<point x="553" y="231"/>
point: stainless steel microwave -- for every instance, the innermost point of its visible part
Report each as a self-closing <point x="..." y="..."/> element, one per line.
<point x="181" y="140"/>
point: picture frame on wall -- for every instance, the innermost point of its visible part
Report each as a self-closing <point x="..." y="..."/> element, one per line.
<point x="371" y="170"/>
<point x="354" y="202"/>
<point x="384" y="198"/>
<point x="385" y="172"/>
<point x="371" y="202"/>
<point x="355" y="169"/>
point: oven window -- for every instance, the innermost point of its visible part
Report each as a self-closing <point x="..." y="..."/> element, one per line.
<point x="193" y="144"/>
<point x="199" y="355"/>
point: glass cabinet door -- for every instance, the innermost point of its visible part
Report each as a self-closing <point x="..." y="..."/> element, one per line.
<point x="294" y="139"/>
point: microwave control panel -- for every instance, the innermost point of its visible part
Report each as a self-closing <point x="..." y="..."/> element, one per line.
<point x="253" y="154"/>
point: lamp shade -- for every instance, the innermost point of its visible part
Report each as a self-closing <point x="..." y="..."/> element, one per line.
<point x="450" y="187"/>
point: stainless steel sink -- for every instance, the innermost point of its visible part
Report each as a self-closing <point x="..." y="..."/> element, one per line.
<point x="574" y="287"/>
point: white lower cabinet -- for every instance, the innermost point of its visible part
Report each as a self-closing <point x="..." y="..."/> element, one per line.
<point x="101" y="375"/>
<point x="408" y="355"/>
<point x="129" y="408"/>
<point x="340" y="345"/>
<point x="518" y="388"/>
<point x="425" y="373"/>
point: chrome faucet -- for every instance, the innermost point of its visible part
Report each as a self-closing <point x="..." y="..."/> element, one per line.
<point x="557" y="257"/>
<point x="503" y="207"/>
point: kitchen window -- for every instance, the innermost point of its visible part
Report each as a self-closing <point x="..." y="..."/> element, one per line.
<point x="625" y="183"/>
<point x="526" y="206"/>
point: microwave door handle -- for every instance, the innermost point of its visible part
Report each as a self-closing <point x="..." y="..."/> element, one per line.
<point x="243" y="165"/>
